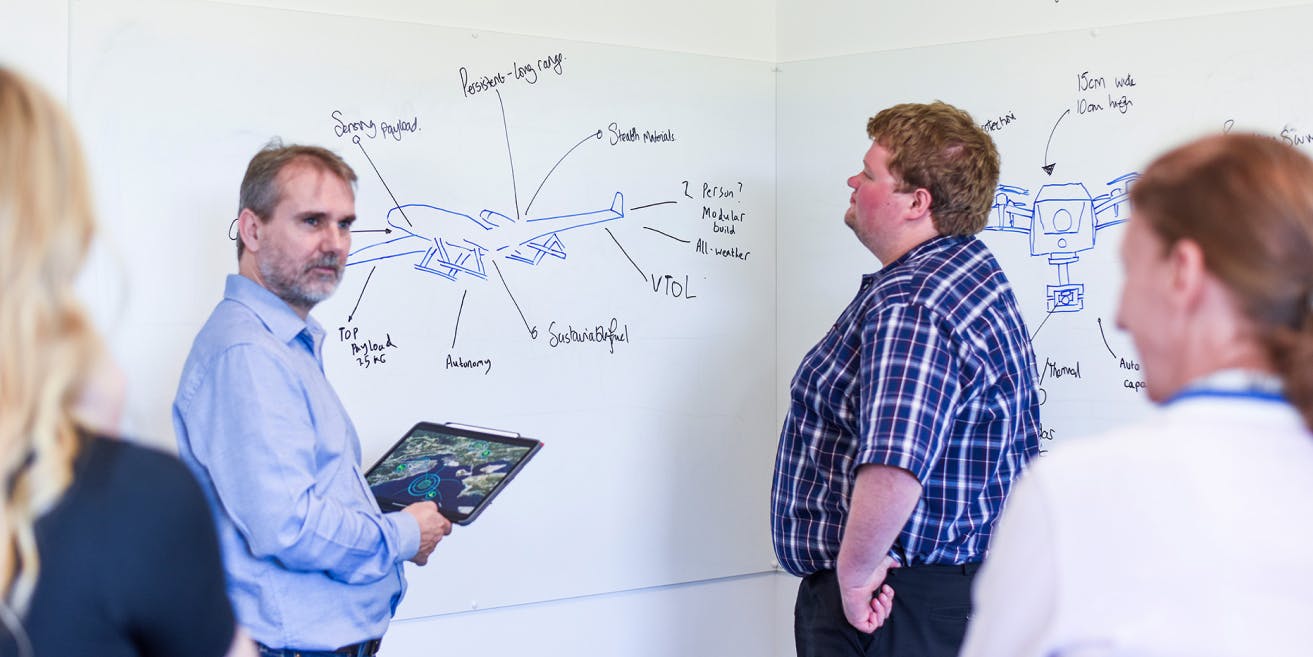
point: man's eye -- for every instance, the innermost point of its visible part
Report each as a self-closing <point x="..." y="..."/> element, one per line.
<point x="312" y="221"/>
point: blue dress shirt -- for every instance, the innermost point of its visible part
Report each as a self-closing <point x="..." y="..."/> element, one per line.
<point x="312" y="563"/>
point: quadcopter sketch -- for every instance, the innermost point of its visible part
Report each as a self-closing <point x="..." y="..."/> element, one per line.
<point x="447" y="243"/>
<point x="1062" y="221"/>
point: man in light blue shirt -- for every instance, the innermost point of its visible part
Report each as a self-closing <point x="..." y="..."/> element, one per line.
<point x="314" y="568"/>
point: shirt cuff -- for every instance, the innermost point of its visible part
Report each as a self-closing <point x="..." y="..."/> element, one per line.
<point x="407" y="533"/>
<point x="894" y="457"/>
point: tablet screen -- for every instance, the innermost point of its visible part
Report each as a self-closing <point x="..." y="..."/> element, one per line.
<point x="457" y="469"/>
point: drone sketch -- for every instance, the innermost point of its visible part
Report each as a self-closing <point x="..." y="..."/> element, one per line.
<point x="448" y="243"/>
<point x="1062" y="221"/>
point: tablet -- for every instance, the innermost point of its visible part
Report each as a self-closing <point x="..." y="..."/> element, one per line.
<point x="460" y="468"/>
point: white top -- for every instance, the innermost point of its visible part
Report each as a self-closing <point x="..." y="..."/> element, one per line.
<point x="1188" y="534"/>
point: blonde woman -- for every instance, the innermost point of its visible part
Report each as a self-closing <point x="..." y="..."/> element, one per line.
<point x="106" y="548"/>
<point x="1188" y="533"/>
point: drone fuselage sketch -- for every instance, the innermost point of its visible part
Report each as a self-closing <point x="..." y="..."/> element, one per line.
<point x="1062" y="221"/>
<point x="447" y="243"/>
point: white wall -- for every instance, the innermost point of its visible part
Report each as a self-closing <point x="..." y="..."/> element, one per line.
<point x="810" y="29"/>
<point x="34" y="40"/>
<point x="727" y="28"/>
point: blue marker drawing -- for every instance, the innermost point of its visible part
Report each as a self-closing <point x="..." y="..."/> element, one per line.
<point x="448" y="243"/>
<point x="1061" y="221"/>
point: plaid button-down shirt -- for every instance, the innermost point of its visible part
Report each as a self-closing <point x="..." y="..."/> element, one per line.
<point x="929" y="369"/>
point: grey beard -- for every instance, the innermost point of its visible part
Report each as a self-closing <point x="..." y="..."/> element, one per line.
<point x="293" y="293"/>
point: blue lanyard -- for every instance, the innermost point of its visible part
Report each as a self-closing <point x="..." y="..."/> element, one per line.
<point x="1252" y="393"/>
<point x="1233" y="384"/>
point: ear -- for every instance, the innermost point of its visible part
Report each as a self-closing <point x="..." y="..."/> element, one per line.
<point x="920" y="203"/>
<point x="1188" y="273"/>
<point x="248" y="230"/>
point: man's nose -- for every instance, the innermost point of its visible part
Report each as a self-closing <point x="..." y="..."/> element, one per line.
<point x="337" y="240"/>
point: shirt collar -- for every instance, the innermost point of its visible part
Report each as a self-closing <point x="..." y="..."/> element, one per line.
<point x="277" y="316"/>
<point x="932" y="245"/>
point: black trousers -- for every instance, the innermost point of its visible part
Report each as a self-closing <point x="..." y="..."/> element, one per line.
<point x="929" y="619"/>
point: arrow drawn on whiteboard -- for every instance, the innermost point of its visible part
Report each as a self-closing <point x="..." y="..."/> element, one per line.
<point x="594" y="135"/>
<point x="667" y="235"/>
<point x="387" y="231"/>
<point x="622" y="250"/>
<point x="507" y="131"/>
<point x="1105" y="337"/>
<point x="652" y="205"/>
<point x="458" y="314"/>
<point x="362" y="294"/>
<point x="533" y="330"/>
<point x="1041" y="326"/>
<point x="356" y="141"/>
<point x="1048" y="166"/>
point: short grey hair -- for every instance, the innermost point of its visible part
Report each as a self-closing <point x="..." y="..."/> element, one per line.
<point x="260" y="192"/>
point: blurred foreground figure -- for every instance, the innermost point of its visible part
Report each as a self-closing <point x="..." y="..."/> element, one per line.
<point x="106" y="548"/>
<point x="1188" y="533"/>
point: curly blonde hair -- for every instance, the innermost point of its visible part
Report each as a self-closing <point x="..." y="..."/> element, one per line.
<point x="47" y="343"/>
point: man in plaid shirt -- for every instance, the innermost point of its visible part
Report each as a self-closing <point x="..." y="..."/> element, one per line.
<point x="910" y="419"/>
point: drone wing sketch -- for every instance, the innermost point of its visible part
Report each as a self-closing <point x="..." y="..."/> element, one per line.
<point x="447" y="243"/>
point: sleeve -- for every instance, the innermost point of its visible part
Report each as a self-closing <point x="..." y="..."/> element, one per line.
<point x="176" y="595"/>
<point x="1015" y="601"/>
<point x="250" y="430"/>
<point x="908" y="389"/>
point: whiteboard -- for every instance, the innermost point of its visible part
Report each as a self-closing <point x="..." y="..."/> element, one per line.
<point x="635" y="335"/>
<point x="1095" y="106"/>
